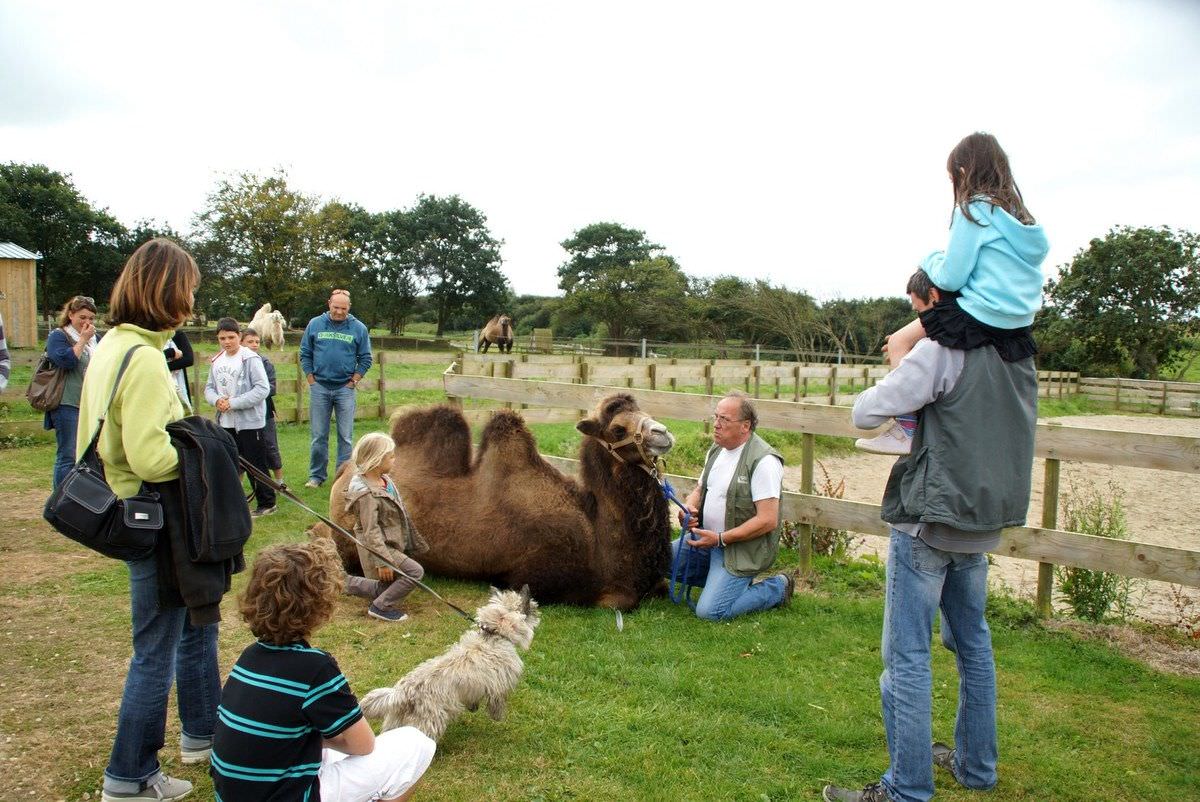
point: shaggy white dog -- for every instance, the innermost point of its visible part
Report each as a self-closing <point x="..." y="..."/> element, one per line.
<point x="270" y="326"/>
<point x="484" y="666"/>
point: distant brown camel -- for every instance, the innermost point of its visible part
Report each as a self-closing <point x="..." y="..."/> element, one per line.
<point x="498" y="330"/>
<point x="506" y="516"/>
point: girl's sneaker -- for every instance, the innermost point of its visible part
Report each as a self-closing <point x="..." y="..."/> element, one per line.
<point x="895" y="441"/>
<point x="391" y="616"/>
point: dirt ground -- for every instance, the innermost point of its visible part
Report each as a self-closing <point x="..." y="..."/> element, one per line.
<point x="1159" y="505"/>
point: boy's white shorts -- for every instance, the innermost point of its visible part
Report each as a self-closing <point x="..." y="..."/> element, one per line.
<point x="398" y="761"/>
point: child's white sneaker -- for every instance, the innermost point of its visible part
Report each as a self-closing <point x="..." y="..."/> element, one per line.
<point x="894" y="441"/>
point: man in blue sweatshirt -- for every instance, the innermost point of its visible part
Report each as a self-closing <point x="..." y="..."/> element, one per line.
<point x="335" y="353"/>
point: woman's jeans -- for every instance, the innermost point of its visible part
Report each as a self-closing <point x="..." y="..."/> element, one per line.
<point x="725" y="595"/>
<point x="65" y="420"/>
<point x="165" y="646"/>
<point x="920" y="580"/>
<point x="321" y="403"/>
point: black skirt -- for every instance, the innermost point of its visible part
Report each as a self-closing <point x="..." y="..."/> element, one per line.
<point x="947" y="324"/>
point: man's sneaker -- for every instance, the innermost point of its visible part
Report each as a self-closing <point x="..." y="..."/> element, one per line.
<point x="894" y="441"/>
<point x="261" y="511"/>
<point x="311" y="483"/>
<point x="392" y="616"/>
<point x="872" y="793"/>
<point x="789" y="587"/>
<point x="944" y="756"/>
<point x="192" y="756"/>
<point x="167" y="789"/>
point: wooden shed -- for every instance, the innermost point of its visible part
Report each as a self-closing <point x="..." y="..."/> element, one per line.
<point x="18" y="294"/>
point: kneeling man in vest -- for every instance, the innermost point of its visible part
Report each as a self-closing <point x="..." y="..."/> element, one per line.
<point x="736" y="535"/>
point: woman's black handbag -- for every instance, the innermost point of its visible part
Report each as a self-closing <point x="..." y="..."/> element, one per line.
<point x="84" y="508"/>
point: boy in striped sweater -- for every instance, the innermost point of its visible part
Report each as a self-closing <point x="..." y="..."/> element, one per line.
<point x="288" y="726"/>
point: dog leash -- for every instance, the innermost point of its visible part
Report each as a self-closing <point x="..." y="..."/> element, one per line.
<point x="259" y="476"/>
<point x="680" y="589"/>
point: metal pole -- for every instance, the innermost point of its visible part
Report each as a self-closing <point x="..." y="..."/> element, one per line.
<point x="643" y="348"/>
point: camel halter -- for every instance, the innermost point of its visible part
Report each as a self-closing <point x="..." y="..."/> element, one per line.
<point x="649" y="463"/>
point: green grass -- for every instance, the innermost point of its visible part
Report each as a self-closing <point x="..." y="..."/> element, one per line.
<point x="769" y="706"/>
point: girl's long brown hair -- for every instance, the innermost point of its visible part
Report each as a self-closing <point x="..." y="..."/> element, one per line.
<point x="979" y="169"/>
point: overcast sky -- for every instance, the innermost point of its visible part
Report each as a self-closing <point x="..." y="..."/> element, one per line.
<point x="780" y="141"/>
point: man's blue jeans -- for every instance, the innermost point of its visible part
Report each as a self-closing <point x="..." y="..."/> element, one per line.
<point x="66" y="424"/>
<point x="165" y="646"/>
<point x="321" y="403"/>
<point x="725" y="595"/>
<point x="920" y="579"/>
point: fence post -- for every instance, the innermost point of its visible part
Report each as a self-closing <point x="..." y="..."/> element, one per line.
<point x="796" y="387"/>
<point x="1117" y="400"/>
<point x="1162" y="410"/>
<point x="301" y="389"/>
<point x="755" y="372"/>
<point x="653" y="370"/>
<point x="833" y="385"/>
<point x="708" y="390"/>
<point x="382" y="385"/>
<point x="453" y="400"/>
<point x="583" y="379"/>
<point x="674" y="381"/>
<point x="808" y="455"/>
<point x="1045" y="580"/>
<point x="643" y="348"/>
<point x="198" y="388"/>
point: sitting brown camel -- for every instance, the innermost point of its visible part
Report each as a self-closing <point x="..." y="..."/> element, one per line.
<point x="508" y="517"/>
<point x="498" y="330"/>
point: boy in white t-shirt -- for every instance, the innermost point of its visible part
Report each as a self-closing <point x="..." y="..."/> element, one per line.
<point x="237" y="386"/>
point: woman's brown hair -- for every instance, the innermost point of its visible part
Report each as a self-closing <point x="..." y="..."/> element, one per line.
<point x="292" y="591"/>
<point x="155" y="287"/>
<point x="72" y="306"/>
<point x="979" y="169"/>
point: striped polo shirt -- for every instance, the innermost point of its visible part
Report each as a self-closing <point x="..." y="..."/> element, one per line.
<point x="277" y="705"/>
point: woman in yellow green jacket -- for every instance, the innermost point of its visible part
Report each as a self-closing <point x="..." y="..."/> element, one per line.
<point x="153" y="295"/>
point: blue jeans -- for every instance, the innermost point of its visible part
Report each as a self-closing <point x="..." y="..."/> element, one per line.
<point x="65" y="421"/>
<point x="165" y="646"/>
<point x="725" y="595"/>
<point x="920" y="579"/>
<point x="321" y="403"/>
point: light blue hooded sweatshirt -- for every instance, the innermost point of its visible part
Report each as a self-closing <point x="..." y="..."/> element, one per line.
<point x="996" y="263"/>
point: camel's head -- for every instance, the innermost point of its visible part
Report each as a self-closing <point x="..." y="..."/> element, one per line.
<point x="505" y="324"/>
<point x="617" y="422"/>
<point x="277" y="316"/>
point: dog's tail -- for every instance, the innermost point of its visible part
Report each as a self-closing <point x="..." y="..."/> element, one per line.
<point x="376" y="703"/>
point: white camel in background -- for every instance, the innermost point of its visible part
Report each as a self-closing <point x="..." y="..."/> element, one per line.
<point x="270" y="326"/>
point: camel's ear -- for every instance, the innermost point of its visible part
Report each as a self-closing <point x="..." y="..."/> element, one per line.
<point x="494" y="591"/>
<point x="590" y="426"/>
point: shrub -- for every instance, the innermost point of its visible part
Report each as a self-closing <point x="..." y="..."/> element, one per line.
<point x="826" y="541"/>
<point x="1096" y="595"/>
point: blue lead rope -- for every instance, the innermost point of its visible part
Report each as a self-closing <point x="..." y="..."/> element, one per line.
<point x="680" y="589"/>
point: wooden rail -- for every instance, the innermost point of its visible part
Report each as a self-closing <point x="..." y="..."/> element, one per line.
<point x="1143" y="395"/>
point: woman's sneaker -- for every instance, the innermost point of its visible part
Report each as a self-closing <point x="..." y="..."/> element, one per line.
<point x="167" y="789"/>
<point x="391" y="616"/>
<point x="895" y="441"/>
<point x="192" y="756"/>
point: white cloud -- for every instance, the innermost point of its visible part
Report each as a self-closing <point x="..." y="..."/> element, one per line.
<point x="767" y="139"/>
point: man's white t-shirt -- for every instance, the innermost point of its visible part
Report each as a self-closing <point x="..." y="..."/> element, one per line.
<point x="765" y="482"/>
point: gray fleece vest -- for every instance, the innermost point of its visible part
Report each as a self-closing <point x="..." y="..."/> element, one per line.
<point x="972" y="454"/>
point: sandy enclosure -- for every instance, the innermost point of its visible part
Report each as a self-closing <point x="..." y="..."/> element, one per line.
<point x="1160" y="505"/>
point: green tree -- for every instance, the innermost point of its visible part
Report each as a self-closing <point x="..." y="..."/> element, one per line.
<point x="1127" y="300"/>
<point x="617" y="277"/>
<point x="263" y="239"/>
<point x="775" y="315"/>
<point x="42" y="211"/>
<point x="395" y="280"/>
<point x="458" y="259"/>
<point x="717" y="305"/>
<point x="859" y="325"/>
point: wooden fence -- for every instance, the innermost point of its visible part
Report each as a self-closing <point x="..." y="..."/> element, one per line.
<point x="1055" y="442"/>
<point x="1143" y="395"/>
<point x="819" y="383"/>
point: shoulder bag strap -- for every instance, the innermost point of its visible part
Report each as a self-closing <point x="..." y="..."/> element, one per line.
<point x="88" y="454"/>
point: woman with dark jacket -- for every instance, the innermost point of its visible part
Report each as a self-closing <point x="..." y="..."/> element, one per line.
<point x="179" y="358"/>
<point x="152" y="297"/>
<point x="69" y="348"/>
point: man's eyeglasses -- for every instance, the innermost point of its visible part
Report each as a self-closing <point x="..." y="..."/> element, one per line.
<point x="725" y="420"/>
